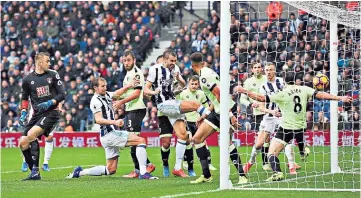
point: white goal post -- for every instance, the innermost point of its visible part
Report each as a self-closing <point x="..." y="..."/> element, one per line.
<point x="335" y="16"/>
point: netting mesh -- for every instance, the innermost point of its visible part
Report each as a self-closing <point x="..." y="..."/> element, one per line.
<point x="299" y="40"/>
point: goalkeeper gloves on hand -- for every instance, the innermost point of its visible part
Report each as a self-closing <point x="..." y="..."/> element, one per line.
<point x="44" y="106"/>
<point x="23" y="118"/>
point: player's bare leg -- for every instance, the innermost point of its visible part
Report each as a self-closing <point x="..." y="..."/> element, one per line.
<point x="198" y="139"/>
<point x="276" y="147"/>
<point x="165" y="151"/>
<point x="261" y="142"/>
<point x="49" y="145"/>
<point x="181" y="132"/>
<point x="29" y="145"/>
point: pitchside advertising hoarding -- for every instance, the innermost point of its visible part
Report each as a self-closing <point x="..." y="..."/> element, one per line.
<point x="241" y="138"/>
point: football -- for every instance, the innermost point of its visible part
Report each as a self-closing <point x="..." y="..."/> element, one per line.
<point x="320" y="82"/>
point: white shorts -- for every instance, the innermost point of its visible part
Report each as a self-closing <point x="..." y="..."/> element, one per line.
<point x="171" y="109"/>
<point x="269" y="124"/>
<point x="114" y="141"/>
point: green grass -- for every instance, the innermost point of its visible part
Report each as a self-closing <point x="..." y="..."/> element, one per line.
<point x="63" y="160"/>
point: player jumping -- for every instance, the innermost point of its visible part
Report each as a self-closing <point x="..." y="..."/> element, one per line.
<point x="170" y="111"/>
<point x="112" y="139"/>
<point x="210" y="85"/>
<point x="46" y="91"/>
<point x="292" y="101"/>
<point x="134" y="107"/>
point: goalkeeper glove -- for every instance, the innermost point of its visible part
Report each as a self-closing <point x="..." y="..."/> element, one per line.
<point x="44" y="106"/>
<point x="23" y="118"/>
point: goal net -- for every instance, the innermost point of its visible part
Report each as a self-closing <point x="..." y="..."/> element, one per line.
<point x="309" y="38"/>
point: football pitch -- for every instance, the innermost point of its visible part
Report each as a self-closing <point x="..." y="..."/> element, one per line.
<point x="315" y="173"/>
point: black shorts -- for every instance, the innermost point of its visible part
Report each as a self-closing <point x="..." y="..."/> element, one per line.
<point x="135" y="119"/>
<point x="192" y="127"/>
<point x="257" y="119"/>
<point x="165" y="127"/>
<point x="287" y="135"/>
<point x="213" y="120"/>
<point x="47" y="121"/>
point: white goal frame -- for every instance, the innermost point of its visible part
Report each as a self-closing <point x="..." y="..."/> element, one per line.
<point x="225" y="182"/>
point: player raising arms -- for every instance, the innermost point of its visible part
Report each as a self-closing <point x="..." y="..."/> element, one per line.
<point x="193" y="93"/>
<point x="210" y="85"/>
<point x="170" y="111"/>
<point x="134" y="107"/>
<point x="254" y="84"/>
<point x="46" y="91"/>
<point x="292" y="101"/>
<point x="271" y="119"/>
<point x="112" y="139"/>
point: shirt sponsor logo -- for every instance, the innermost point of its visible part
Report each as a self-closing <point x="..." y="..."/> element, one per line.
<point x="43" y="91"/>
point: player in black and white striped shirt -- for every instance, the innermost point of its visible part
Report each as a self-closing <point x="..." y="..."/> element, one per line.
<point x="270" y="120"/>
<point x="111" y="138"/>
<point x="171" y="112"/>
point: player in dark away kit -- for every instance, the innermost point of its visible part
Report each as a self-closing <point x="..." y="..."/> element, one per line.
<point x="46" y="91"/>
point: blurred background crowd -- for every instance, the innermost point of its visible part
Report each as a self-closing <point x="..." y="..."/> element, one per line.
<point x="87" y="40"/>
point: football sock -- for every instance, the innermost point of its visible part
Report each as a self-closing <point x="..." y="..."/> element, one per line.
<point x="301" y="145"/>
<point x="254" y="154"/>
<point x="165" y="155"/>
<point x="290" y="155"/>
<point x="189" y="157"/>
<point x="180" y="150"/>
<point x="35" y="153"/>
<point x="236" y="160"/>
<point x="27" y="157"/>
<point x="209" y="156"/>
<point x="264" y="153"/>
<point x="134" y="157"/>
<point x="142" y="158"/>
<point x="48" y="151"/>
<point x="275" y="163"/>
<point x="95" y="171"/>
<point x="202" y="154"/>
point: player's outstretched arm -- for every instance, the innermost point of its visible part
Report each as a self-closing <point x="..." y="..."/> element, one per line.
<point x="254" y="96"/>
<point x="327" y="96"/>
<point x="101" y="121"/>
<point x="262" y="108"/>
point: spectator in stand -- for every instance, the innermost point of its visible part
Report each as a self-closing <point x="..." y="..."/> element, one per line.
<point x="9" y="128"/>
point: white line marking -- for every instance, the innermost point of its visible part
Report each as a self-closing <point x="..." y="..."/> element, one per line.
<point x="191" y="193"/>
<point x="63" y="167"/>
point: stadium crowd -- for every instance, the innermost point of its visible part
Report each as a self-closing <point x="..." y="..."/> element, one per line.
<point x="87" y="40"/>
<point x="299" y="44"/>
